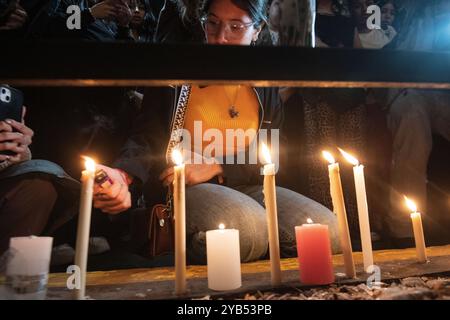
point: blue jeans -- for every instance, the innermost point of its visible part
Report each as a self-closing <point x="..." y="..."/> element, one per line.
<point x="242" y="208"/>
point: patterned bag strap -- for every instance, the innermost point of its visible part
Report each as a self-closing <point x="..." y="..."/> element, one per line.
<point x="176" y="134"/>
<point x="178" y="121"/>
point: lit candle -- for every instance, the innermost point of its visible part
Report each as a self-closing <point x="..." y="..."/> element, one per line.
<point x="337" y="197"/>
<point x="270" y="201"/>
<point x="27" y="267"/>
<point x="363" y="211"/>
<point x="179" y="206"/>
<point x="314" y="254"/>
<point x="223" y="259"/>
<point x="84" y="224"/>
<point x="419" y="238"/>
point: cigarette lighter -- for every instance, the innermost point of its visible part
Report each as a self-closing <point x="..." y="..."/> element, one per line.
<point x="102" y="179"/>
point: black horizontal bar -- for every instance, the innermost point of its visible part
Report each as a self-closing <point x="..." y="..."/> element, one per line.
<point x="95" y="63"/>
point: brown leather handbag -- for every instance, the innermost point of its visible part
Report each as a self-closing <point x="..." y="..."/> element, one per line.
<point x="161" y="234"/>
<point x="161" y="231"/>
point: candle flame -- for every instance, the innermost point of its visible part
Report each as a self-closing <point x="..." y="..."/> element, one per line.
<point x="266" y="153"/>
<point x="328" y="156"/>
<point x="221" y="226"/>
<point x="349" y="157"/>
<point x="411" y="204"/>
<point x="89" y="164"/>
<point x="309" y="220"/>
<point x="177" y="157"/>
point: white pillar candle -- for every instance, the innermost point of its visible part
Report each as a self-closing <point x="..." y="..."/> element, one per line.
<point x="363" y="210"/>
<point x="419" y="238"/>
<point x="84" y="225"/>
<point x="179" y="206"/>
<point x="270" y="201"/>
<point x="223" y="259"/>
<point x="27" y="267"/>
<point x="337" y="196"/>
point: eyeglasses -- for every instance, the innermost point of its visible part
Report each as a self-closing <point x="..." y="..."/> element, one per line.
<point x="233" y="29"/>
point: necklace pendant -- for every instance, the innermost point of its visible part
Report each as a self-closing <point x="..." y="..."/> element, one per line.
<point x="232" y="112"/>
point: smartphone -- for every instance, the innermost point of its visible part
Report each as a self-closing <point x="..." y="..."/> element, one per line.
<point x="11" y="105"/>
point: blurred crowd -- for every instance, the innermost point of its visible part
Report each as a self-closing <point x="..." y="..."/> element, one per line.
<point x="405" y="24"/>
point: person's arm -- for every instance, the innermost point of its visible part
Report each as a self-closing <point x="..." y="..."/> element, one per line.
<point x="16" y="19"/>
<point x="57" y="19"/>
<point x="141" y="150"/>
<point x="123" y="17"/>
<point x="139" y="155"/>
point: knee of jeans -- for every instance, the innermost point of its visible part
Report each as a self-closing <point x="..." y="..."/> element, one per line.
<point x="253" y="239"/>
<point x="209" y="205"/>
<point x="294" y="209"/>
<point x="253" y="242"/>
<point x="253" y="234"/>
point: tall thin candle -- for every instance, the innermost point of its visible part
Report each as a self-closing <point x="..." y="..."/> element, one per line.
<point x="337" y="196"/>
<point x="179" y="206"/>
<point x="84" y="224"/>
<point x="270" y="200"/>
<point x="419" y="237"/>
<point x="363" y="210"/>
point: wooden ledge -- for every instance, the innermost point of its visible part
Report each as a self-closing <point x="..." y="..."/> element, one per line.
<point x="158" y="283"/>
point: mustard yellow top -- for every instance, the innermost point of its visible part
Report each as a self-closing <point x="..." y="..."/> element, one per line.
<point x="221" y="108"/>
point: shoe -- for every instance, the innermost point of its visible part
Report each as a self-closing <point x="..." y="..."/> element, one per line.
<point x="98" y="245"/>
<point x="62" y="255"/>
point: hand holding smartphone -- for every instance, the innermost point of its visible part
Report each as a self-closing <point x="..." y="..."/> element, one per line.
<point x="11" y="107"/>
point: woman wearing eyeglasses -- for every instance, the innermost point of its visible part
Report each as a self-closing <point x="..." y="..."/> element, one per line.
<point x="223" y="193"/>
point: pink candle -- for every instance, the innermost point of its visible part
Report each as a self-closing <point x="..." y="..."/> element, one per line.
<point x="314" y="254"/>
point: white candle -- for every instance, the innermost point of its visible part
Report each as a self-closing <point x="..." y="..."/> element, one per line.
<point x="223" y="259"/>
<point x="337" y="196"/>
<point x="179" y="206"/>
<point x="419" y="237"/>
<point x="270" y="201"/>
<point x="27" y="267"/>
<point x="84" y="224"/>
<point x="363" y="211"/>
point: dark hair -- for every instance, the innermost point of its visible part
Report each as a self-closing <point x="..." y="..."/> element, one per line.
<point x="256" y="9"/>
<point x="189" y="10"/>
